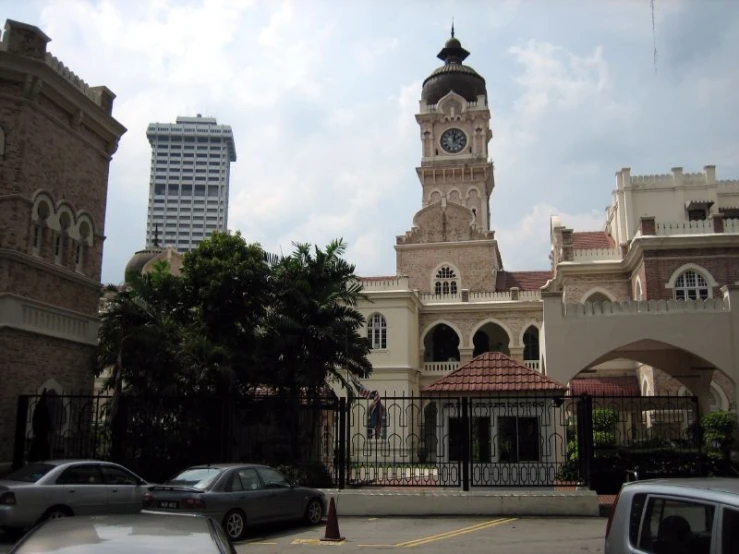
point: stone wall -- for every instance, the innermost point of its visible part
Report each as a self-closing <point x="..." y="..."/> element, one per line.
<point x="29" y="360"/>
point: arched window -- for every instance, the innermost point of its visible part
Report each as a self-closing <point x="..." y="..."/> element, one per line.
<point x="691" y="285"/>
<point x="377" y="332"/>
<point x="597" y="297"/>
<point x="531" y="344"/>
<point x="637" y="290"/>
<point x="446" y="282"/>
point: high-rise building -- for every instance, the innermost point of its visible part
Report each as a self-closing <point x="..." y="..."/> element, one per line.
<point x="189" y="183"/>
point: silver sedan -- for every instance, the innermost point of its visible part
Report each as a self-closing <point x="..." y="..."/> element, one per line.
<point x="236" y="495"/>
<point x="63" y="488"/>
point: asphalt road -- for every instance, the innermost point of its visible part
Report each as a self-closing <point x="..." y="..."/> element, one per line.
<point x="430" y="535"/>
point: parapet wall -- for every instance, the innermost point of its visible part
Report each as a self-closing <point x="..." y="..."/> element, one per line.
<point x="29" y="41"/>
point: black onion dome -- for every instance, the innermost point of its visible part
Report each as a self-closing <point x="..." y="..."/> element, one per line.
<point x="453" y="76"/>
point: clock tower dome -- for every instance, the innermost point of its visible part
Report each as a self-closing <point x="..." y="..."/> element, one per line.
<point x="451" y="232"/>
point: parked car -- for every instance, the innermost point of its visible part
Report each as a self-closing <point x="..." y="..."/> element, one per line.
<point x="125" y="533"/>
<point x="62" y="488"/>
<point x="675" y="516"/>
<point x="237" y="495"/>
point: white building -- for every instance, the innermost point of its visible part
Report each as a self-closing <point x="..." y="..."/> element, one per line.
<point x="641" y="307"/>
<point x="189" y="183"/>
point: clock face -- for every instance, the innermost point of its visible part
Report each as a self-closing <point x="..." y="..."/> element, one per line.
<point x="453" y="140"/>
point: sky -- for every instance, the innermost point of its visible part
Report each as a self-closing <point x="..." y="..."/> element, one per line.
<point x="321" y="96"/>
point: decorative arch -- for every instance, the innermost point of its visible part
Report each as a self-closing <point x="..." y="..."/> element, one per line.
<point x="719" y="396"/>
<point x="43" y="206"/>
<point x="695" y="267"/>
<point x="494" y="321"/>
<point x="51" y="384"/>
<point x="598" y="290"/>
<point x="446" y="348"/>
<point x="86" y="237"/>
<point x="645" y="387"/>
<point x="525" y="327"/>
<point x="446" y="279"/>
<point x="475" y="189"/>
<point x="460" y="197"/>
<point x="449" y="324"/>
<point x="638" y="291"/>
<point x="435" y="195"/>
<point x="691" y="282"/>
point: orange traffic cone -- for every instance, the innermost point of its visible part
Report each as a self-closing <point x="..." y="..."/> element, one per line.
<point x="332" y="525"/>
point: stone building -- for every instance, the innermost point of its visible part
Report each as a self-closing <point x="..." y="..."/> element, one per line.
<point x="57" y="138"/>
<point x="623" y="310"/>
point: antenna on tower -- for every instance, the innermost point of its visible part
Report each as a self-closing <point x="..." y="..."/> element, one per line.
<point x="452" y="27"/>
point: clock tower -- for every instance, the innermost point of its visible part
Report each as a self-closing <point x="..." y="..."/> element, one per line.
<point x="451" y="233"/>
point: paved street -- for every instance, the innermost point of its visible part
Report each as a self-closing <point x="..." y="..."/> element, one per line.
<point x="433" y="535"/>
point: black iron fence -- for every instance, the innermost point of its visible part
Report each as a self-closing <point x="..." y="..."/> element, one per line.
<point x="458" y="441"/>
<point x="158" y="436"/>
<point x="544" y="440"/>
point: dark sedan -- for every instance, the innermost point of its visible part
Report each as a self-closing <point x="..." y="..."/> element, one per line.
<point x="237" y="495"/>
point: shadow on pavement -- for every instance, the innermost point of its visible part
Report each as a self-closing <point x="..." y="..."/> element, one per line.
<point x="277" y="530"/>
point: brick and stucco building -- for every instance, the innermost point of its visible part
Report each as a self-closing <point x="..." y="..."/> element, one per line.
<point x="57" y="138"/>
<point x="623" y="310"/>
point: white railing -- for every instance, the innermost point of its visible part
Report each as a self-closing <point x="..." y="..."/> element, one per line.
<point x="480" y="297"/>
<point x="700" y="227"/>
<point x="390" y="283"/>
<point x="439" y="367"/>
<point x="532" y="364"/>
<point x="731" y="225"/>
<point x="630" y="307"/>
<point x="597" y="255"/>
<point x="431" y="298"/>
<point x="525" y="295"/>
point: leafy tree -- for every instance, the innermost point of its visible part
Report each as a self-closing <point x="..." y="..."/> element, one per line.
<point x="313" y="326"/>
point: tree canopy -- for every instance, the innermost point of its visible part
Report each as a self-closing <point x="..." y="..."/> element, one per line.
<point x="237" y="318"/>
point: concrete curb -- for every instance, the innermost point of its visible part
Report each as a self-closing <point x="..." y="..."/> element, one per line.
<point x="450" y="503"/>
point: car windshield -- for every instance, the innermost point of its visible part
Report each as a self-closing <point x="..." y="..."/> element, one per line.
<point x="197" y="478"/>
<point x="29" y="474"/>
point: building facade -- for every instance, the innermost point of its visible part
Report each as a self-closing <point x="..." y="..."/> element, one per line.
<point x="57" y="139"/>
<point x="189" y="183"/>
<point x="644" y="306"/>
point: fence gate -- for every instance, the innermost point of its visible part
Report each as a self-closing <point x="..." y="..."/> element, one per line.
<point x="654" y="436"/>
<point x="439" y="441"/>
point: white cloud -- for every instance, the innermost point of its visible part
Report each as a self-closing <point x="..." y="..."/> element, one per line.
<point x="527" y="244"/>
<point x="322" y="95"/>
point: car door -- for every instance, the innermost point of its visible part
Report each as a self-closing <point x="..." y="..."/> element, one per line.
<point x="83" y="489"/>
<point x="125" y="494"/>
<point x="249" y="494"/>
<point x="282" y="501"/>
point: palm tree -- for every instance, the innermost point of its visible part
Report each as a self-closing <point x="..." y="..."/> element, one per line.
<point x="312" y="328"/>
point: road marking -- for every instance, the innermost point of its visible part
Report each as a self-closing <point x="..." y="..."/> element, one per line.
<point x="372" y="519"/>
<point x="457" y="533"/>
<point x="317" y="542"/>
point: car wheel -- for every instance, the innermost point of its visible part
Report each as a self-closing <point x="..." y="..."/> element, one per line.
<point x="314" y="512"/>
<point x="57" y="512"/>
<point x="234" y="524"/>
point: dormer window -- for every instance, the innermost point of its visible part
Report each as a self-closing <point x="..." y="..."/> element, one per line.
<point x="697" y="215"/>
<point x="446" y="282"/>
<point x="698" y="209"/>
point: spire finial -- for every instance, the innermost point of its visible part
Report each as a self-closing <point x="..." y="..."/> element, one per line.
<point x="156" y="235"/>
<point x="452" y="27"/>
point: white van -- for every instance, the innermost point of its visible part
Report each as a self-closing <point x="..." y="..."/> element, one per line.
<point x="675" y="516"/>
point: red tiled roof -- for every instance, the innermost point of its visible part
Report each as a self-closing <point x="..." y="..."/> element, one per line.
<point x="494" y="372"/>
<point x="605" y="386"/>
<point x="524" y="280"/>
<point x="588" y="240"/>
